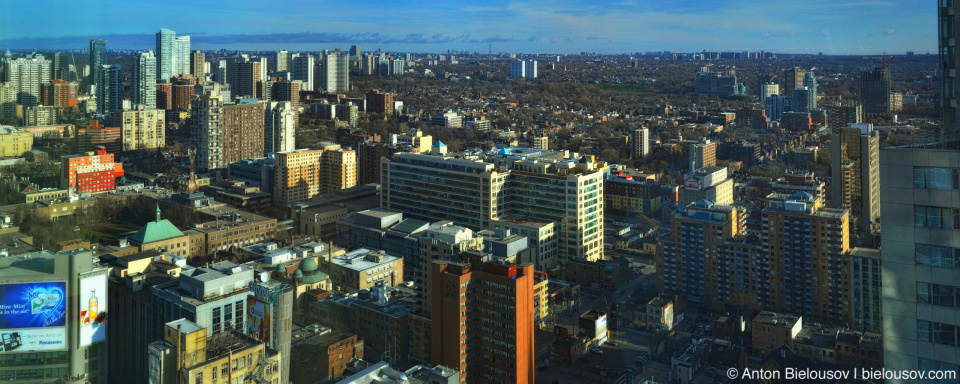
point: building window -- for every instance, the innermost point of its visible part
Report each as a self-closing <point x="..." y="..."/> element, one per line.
<point x="935" y="178"/>
<point x="937" y="256"/>
<point x="199" y="378"/>
<point x="936" y="294"/>
<point x="935" y="217"/>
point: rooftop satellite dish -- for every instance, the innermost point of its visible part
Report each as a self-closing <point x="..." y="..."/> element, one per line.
<point x="264" y="277"/>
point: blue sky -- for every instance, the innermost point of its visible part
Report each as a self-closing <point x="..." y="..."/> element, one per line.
<point x="545" y="26"/>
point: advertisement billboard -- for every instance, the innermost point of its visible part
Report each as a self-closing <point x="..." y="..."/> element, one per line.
<point x="33" y="317"/>
<point x="93" y="309"/>
<point x="258" y="319"/>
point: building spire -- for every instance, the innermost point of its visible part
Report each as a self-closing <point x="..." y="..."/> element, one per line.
<point x="158" y="212"/>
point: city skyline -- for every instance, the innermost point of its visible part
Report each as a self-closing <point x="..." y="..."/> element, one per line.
<point x="500" y="26"/>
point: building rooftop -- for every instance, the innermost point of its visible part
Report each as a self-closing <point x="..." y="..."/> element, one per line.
<point x="363" y="259"/>
<point x="185" y="326"/>
<point x="779" y="319"/>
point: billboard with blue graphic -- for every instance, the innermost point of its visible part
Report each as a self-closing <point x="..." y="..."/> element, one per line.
<point x="33" y="317"/>
<point x="33" y="305"/>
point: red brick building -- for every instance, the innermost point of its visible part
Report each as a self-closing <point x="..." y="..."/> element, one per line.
<point x="243" y="127"/>
<point x="381" y="103"/>
<point x="59" y="94"/>
<point x="94" y="172"/>
<point x="164" y="96"/>
<point x="483" y="320"/>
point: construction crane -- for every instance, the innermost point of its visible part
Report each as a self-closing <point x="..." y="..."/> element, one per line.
<point x="883" y="59"/>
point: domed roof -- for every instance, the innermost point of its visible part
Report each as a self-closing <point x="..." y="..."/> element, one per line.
<point x="297" y="274"/>
<point x="280" y="269"/>
<point x="308" y="265"/>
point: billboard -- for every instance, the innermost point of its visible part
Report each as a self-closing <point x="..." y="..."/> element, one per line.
<point x="258" y="319"/>
<point x="93" y="309"/>
<point x="33" y="317"/>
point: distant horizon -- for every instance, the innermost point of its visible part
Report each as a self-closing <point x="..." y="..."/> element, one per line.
<point x="854" y="27"/>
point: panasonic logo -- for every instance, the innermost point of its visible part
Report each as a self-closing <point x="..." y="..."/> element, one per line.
<point x="50" y="342"/>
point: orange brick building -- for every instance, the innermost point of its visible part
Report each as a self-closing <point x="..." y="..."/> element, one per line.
<point x="94" y="172"/>
<point x="96" y="135"/>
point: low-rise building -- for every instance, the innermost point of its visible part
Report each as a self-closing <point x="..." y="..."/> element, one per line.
<point x="383" y="373"/>
<point x="324" y="357"/>
<point x="772" y="330"/>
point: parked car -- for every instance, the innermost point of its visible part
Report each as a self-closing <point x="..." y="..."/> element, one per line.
<point x="596" y="350"/>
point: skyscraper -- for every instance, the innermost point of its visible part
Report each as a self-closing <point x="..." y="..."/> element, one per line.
<point x="355" y="52"/>
<point x="703" y="154"/>
<point x="144" y="80"/>
<point x="166" y="54"/>
<point x="336" y="71"/>
<point x="875" y="89"/>
<point x="804" y="100"/>
<point x="141" y="128"/>
<point x="810" y="81"/>
<point x="98" y="57"/>
<point x="243" y="75"/>
<point x="197" y="63"/>
<point x="181" y="55"/>
<point x="920" y="252"/>
<point x="109" y="89"/>
<point x="301" y="68"/>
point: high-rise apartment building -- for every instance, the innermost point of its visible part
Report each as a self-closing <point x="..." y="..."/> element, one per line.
<point x="524" y="68"/>
<point x="380" y="102"/>
<point x="207" y="130"/>
<point x="60" y="66"/>
<point x="875" y="90"/>
<point x="792" y="79"/>
<point x="8" y="104"/>
<point x="640" y="143"/>
<point x="243" y="131"/>
<point x="281" y="61"/>
<point x="198" y="63"/>
<point x="98" y="57"/>
<point x="301" y="68"/>
<point x="27" y="75"/>
<point x="279" y="127"/>
<point x="335" y="72"/>
<point x="841" y="116"/>
<point x="856" y="173"/>
<point x="142" y="128"/>
<point x="304" y="173"/>
<point x="166" y="54"/>
<point x="798" y="263"/>
<point x="59" y="94"/>
<point x="354" y="52"/>
<point x="482" y="320"/>
<point x="109" y="90"/>
<point x="144" y="80"/>
<point x="181" y="47"/>
<point x="93" y="172"/>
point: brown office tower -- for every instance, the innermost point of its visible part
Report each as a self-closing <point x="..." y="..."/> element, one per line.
<point x="243" y="77"/>
<point x="483" y="320"/>
<point x="792" y="79"/>
<point x="57" y="94"/>
<point x="381" y="103"/>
